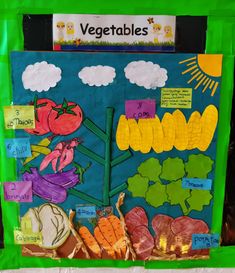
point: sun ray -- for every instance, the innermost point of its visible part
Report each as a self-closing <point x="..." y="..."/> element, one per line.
<point x="207" y="79"/>
<point x="190" y="63"/>
<point x="198" y="79"/>
<point x="214" y="89"/>
<point x="194" y="71"/>
<point x="195" y="76"/>
<point x="212" y="83"/>
<point x="196" y="87"/>
<point x="187" y="70"/>
<point x="187" y="60"/>
<point x="204" y="89"/>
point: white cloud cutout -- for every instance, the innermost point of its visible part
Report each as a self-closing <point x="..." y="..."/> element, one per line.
<point x="146" y="74"/>
<point x="97" y="75"/>
<point x="41" y="76"/>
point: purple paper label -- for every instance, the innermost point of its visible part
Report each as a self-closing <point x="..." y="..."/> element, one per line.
<point x="140" y="109"/>
<point x="18" y="191"/>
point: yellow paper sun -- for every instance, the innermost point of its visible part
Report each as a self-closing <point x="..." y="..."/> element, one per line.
<point x="202" y="68"/>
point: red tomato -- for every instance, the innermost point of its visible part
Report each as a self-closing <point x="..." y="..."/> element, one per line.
<point x="42" y="109"/>
<point x="64" y="119"/>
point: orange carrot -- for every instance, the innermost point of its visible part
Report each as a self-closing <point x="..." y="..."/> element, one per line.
<point x="109" y="234"/>
<point x="119" y="232"/>
<point x="103" y="242"/>
<point x="90" y="241"/>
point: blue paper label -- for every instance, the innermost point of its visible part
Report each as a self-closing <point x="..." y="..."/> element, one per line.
<point x="18" y="147"/>
<point x="86" y="212"/>
<point x="196" y="183"/>
<point x="205" y="241"/>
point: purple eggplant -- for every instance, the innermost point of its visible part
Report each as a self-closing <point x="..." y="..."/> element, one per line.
<point x="45" y="189"/>
<point x="65" y="179"/>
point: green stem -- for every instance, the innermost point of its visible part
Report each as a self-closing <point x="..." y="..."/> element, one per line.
<point x="95" y="129"/>
<point x="118" y="189"/>
<point x="121" y="158"/>
<point x="82" y="149"/>
<point x="184" y="208"/>
<point x="85" y="197"/>
<point x="107" y="166"/>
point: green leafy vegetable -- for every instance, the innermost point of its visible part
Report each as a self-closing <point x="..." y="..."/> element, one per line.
<point x="177" y="195"/>
<point x="198" y="166"/>
<point x="156" y="195"/>
<point x="198" y="199"/>
<point x="138" y="185"/>
<point x="150" y="168"/>
<point x="172" y="169"/>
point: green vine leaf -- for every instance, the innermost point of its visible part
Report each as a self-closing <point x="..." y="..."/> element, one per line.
<point x="177" y="195"/>
<point x="198" y="199"/>
<point x="137" y="185"/>
<point x="150" y="168"/>
<point x="156" y="195"/>
<point x="172" y="169"/>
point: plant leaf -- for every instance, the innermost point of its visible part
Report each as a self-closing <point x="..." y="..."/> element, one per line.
<point x="138" y="185"/>
<point x="150" y="168"/>
<point x="65" y="104"/>
<point x="156" y="195"/>
<point x="198" y="199"/>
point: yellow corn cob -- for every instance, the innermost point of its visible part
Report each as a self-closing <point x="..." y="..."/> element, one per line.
<point x="209" y="121"/>
<point x="168" y="127"/>
<point x="122" y="134"/>
<point x="194" y="130"/>
<point x="181" y="130"/>
<point x="135" y="135"/>
<point x="145" y="126"/>
<point x="157" y="135"/>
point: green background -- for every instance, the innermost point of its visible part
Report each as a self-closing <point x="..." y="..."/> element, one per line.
<point x="220" y="39"/>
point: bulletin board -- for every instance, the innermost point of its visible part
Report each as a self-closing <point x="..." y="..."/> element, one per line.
<point x="106" y="119"/>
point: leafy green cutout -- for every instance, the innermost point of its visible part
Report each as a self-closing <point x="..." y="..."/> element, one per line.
<point x="150" y="168"/>
<point x="138" y="185"/>
<point x="177" y="195"/>
<point x="172" y="169"/>
<point x="198" y="199"/>
<point x="156" y="195"/>
<point x="198" y="166"/>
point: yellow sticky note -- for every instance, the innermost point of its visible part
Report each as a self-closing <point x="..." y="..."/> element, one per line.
<point x="176" y="97"/>
<point x="26" y="224"/>
<point x="19" y="117"/>
<point x="21" y="238"/>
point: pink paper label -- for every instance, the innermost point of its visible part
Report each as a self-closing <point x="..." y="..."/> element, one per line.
<point x="18" y="191"/>
<point x="140" y="109"/>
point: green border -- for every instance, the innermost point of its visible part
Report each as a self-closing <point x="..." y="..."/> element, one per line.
<point x="220" y="39"/>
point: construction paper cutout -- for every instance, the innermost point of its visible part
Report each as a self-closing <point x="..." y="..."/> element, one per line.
<point x="156" y="194"/>
<point x="168" y="128"/>
<point x="122" y="133"/>
<point x="150" y="168"/>
<point x="204" y="68"/>
<point x="209" y="121"/>
<point x="172" y="169"/>
<point x="176" y="98"/>
<point x="138" y="185"/>
<point x="146" y="74"/>
<point x="145" y="127"/>
<point x="97" y="75"/>
<point x="181" y="130"/>
<point x="198" y="199"/>
<point x="41" y="76"/>
<point x="198" y="166"/>
<point x="194" y="130"/>
<point x="196" y="183"/>
<point x="18" y="191"/>
<point x="19" y="117"/>
<point x="53" y="186"/>
<point x="26" y="225"/>
<point x="18" y="147"/>
<point x="21" y="238"/>
<point x="158" y="136"/>
<point x="139" y="109"/>
<point x="175" y="235"/>
<point x="205" y="241"/>
<point x="52" y="222"/>
<point x="135" y="140"/>
<point x="177" y="195"/>
<point x="86" y="212"/>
